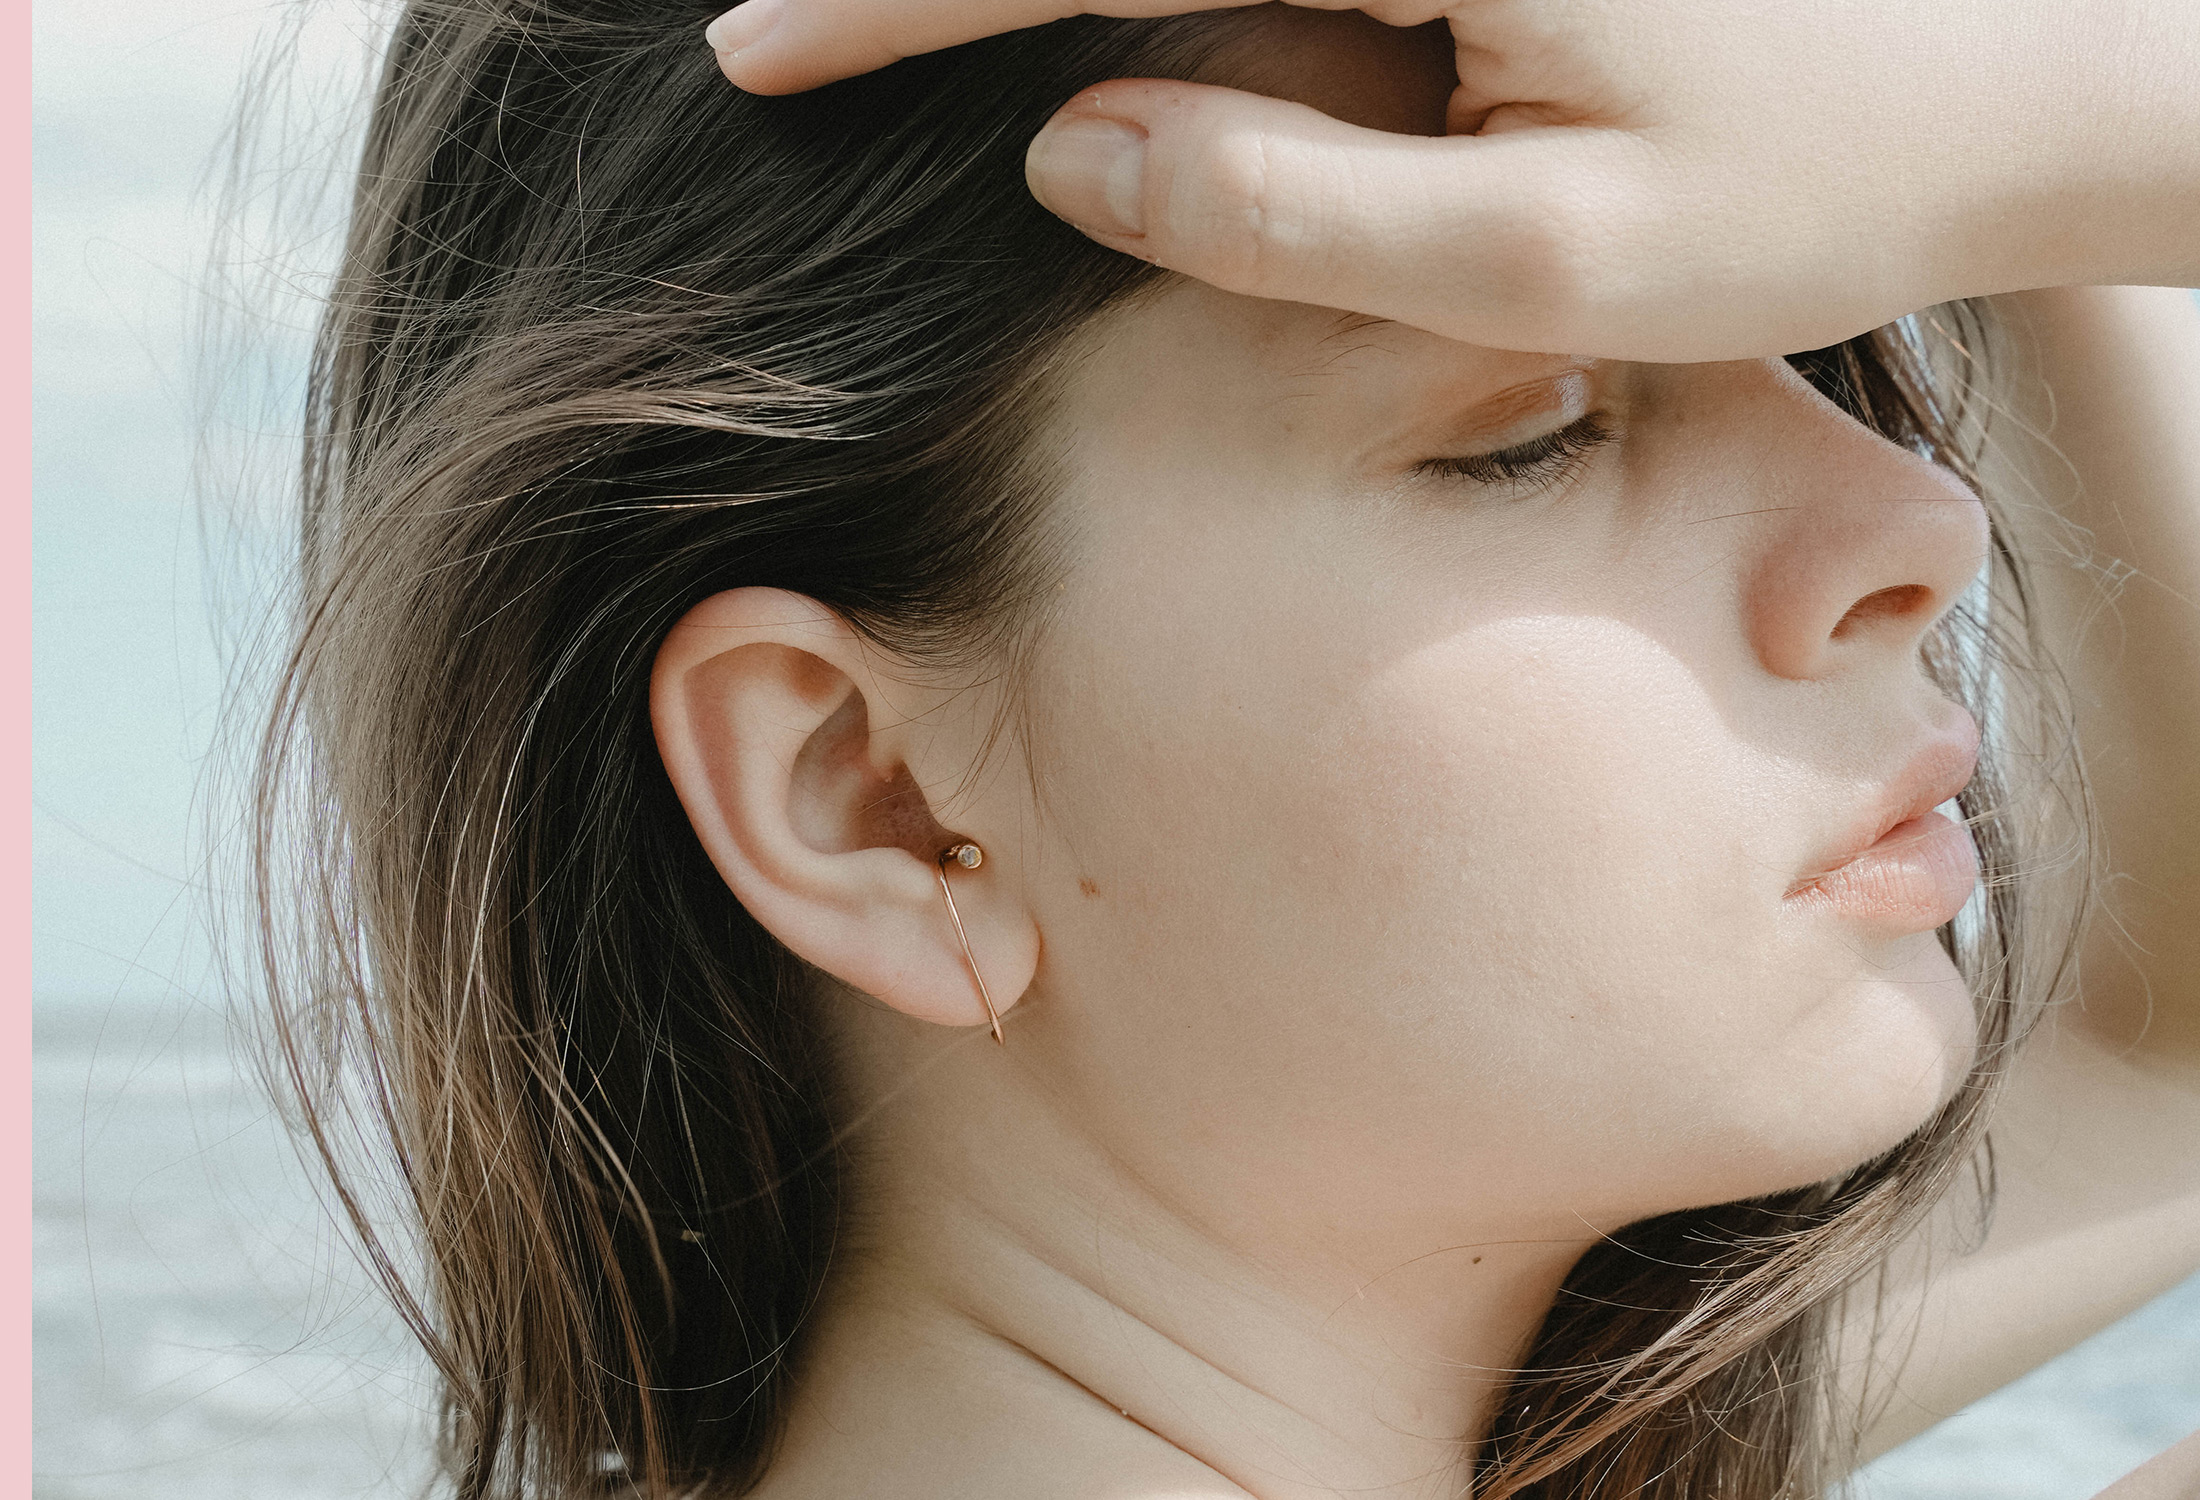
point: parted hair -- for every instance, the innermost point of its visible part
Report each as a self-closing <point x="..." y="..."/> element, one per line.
<point x="610" y="336"/>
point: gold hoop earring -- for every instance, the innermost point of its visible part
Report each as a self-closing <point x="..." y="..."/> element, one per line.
<point x="969" y="856"/>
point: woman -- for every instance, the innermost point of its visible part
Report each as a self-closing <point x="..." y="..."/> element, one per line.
<point x="1444" y="838"/>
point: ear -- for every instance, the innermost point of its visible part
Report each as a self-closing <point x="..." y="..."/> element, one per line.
<point x="795" y="770"/>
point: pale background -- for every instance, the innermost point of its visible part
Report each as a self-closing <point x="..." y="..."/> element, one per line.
<point x="199" y="1330"/>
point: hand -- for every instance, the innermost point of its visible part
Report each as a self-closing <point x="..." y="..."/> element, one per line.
<point x="1635" y="179"/>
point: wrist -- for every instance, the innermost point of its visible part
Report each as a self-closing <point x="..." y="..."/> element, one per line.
<point x="2153" y="171"/>
<point x="2094" y="161"/>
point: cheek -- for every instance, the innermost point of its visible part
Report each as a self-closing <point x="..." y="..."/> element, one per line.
<point x="1547" y="815"/>
<point x="1578" y="857"/>
<point x="1496" y="913"/>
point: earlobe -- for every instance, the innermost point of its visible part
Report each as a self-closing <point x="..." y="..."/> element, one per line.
<point x="793" y="762"/>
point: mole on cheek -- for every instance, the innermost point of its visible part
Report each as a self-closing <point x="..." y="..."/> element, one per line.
<point x="1086" y="885"/>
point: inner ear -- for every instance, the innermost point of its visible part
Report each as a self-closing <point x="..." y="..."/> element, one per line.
<point x="843" y="798"/>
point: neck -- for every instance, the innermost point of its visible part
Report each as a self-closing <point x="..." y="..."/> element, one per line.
<point x="1019" y="1315"/>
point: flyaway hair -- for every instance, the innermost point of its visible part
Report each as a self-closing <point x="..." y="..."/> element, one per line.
<point x="610" y="336"/>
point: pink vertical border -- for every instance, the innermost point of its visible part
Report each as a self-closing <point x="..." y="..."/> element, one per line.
<point x="15" y="899"/>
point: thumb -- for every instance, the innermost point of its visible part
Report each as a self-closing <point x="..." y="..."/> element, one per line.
<point x="1488" y="239"/>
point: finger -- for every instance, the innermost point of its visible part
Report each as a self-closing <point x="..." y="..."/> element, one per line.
<point x="1494" y="240"/>
<point x="786" y="46"/>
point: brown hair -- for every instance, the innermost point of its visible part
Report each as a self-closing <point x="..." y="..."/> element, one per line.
<point x="610" y="336"/>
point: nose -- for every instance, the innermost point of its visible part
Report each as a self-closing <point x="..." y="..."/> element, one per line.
<point x="1862" y="545"/>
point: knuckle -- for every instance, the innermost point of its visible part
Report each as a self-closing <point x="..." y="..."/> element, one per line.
<point x="1222" y="209"/>
<point x="1246" y="211"/>
<point x="1566" y="257"/>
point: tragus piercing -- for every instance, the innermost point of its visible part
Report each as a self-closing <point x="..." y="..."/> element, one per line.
<point x="969" y="856"/>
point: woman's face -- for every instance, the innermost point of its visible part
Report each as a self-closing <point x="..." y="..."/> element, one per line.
<point x="1416" y="838"/>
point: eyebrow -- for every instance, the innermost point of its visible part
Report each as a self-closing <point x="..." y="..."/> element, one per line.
<point x="1353" y="322"/>
<point x="1344" y="327"/>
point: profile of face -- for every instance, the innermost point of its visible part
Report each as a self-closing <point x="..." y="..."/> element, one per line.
<point x="1433" y="763"/>
<point x="1410" y="827"/>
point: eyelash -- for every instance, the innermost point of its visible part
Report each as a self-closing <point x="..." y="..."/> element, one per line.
<point x="1527" y="467"/>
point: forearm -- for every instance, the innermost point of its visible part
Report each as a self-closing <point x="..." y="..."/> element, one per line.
<point x="2164" y="138"/>
<point x="2108" y="380"/>
<point x="2131" y="113"/>
<point x="2174" y="1475"/>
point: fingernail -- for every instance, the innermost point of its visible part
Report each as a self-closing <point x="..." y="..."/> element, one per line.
<point x="743" y="26"/>
<point x="1090" y="171"/>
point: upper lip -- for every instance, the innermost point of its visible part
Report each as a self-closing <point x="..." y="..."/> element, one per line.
<point x="1932" y="775"/>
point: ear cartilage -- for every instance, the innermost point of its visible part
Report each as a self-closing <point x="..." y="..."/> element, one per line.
<point x="969" y="856"/>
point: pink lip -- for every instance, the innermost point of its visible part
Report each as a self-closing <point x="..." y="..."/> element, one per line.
<point x="1904" y="867"/>
<point x="1914" y="878"/>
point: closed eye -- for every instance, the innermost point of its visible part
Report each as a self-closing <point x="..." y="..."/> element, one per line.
<point x="1525" y="468"/>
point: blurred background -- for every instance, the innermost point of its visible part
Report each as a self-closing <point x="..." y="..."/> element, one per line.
<point x="200" y="1327"/>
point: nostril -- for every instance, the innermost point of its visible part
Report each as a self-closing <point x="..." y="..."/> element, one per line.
<point x="1897" y="603"/>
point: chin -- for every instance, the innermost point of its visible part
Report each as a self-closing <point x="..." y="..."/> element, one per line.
<point x="1904" y="1043"/>
<point x="1862" y="1070"/>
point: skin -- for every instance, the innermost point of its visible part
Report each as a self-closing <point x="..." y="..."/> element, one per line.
<point x="2099" y="1203"/>
<point x="2174" y="1475"/>
<point x="1318" y="1080"/>
<point x="1435" y="912"/>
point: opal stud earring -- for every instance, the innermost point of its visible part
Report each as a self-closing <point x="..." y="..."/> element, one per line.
<point x="969" y="856"/>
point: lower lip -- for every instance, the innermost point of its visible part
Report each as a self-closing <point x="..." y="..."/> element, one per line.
<point x="1916" y="878"/>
